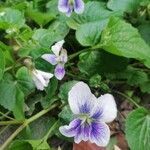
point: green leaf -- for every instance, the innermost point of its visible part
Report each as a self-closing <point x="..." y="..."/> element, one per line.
<point x="145" y="87"/>
<point x="25" y="81"/>
<point x="2" y="64"/>
<point x="34" y="50"/>
<point x="66" y="114"/>
<point x="131" y="75"/>
<point x="123" y="5"/>
<point x="20" y="145"/>
<point x="11" y="97"/>
<point x="94" y="11"/>
<point x="29" y="145"/>
<point x="137" y="77"/>
<point x="8" y="94"/>
<point x="59" y="27"/>
<point x="38" y="129"/>
<point x="144" y="30"/>
<point x="18" y="110"/>
<point x="120" y="38"/>
<point x="90" y="24"/>
<point x="10" y="18"/>
<point x="96" y="62"/>
<point x="52" y="7"/>
<point x="89" y="34"/>
<point x="95" y="80"/>
<point x="40" y="18"/>
<point x="137" y="129"/>
<point x="45" y="37"/>
<point x="50" y="90"/>
<point x="7" y="53"/>
<point x="39" y="144"/>
<point x="65" y="88"/>
<point x="31" y="103"/>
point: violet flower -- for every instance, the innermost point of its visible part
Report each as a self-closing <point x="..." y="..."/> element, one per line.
<point x="41" y="78"/>
<point x="68" y="6"/>
<point x="59" y="58"/>
<point x="92" y="114"/>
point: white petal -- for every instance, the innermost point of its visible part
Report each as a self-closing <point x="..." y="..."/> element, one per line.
<point x="51" y="58"/>
<point x="45" y="75"/>
<point x="107" y="105"/>
<point x="79" y="6"/>
<point x="80" y="98"/>
<point x="63" y="5"/>
<point x="41" y="79"/>
<point x="63" y="56"/>
<point x="57" y="47"/>
<point x="39" y="85"/>
<point x="38" y="80"/>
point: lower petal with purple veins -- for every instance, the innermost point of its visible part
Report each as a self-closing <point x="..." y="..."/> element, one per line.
<point x="86" y="130"/>
<point x="63" y="5"/>
<point x="59" y="71"/>
<point x="78" y="6"/>
<point x="72" y="129"/>
<point x="100" y="134"/>
<point x="83" y="132"/>
<point x="79" y="135"/>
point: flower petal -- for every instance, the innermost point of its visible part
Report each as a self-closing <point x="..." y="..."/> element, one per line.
<point x="72" y="129"/>
<point x="79" y="135"/>
<point x="86" y="131"/>
<point x="63" y="5"/>
<point x="69" y="12"/>
<point x="57" y="47"/>
<point x="80" y="98"/>
<point x="83" y="133"/>
<point x="59" y="71"/>
<point x="100" y="134"/>
<point x="63" y="56"/>
<point x="107" y="108"/>
<point x="45" y="75"/>
<point x="51" y="58"/>
<point x="38" y="80"/>
<point x="78" y="6"/>
<point x="39" y="85"/>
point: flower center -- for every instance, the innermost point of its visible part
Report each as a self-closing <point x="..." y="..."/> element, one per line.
<point x="71" y="2"/>
<point x="86" y="118"/>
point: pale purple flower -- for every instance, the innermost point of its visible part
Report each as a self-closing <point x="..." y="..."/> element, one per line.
<point x="59" y="58"/>
<point x="41" y="78"/>
<point x="91" y="113"/>
<point x="68" y="6"/>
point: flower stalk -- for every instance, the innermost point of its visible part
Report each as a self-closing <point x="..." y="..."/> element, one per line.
<point x="25" y="124"/>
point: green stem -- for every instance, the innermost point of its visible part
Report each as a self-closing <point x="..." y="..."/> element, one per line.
<point x="2" y="123"/>
<point x="26" y="122"/>
<point x="12" y="67"/>
<point x="128" y="98"/>
<point x="41" y="113"/>
<point x="50" y="130"/>
<point x="6" y="116"/>
<point x="79" y="52"/>
<point x="12" y="137"/>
